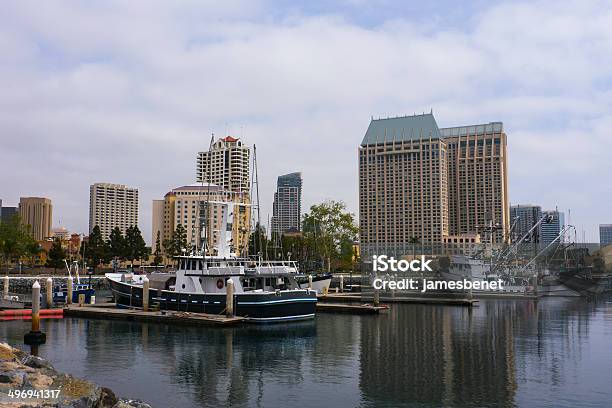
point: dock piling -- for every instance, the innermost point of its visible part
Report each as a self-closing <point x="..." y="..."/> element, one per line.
<point x="145" y="294"/>
<point x="376" y="297"/>
<point x="69" y="291"/>
<point x="49" y="291"/>
<point x="35" y="337"/>
<point x="6" y="287"/>
<point x="309" y="281"/>
<point x="229" y="301"/>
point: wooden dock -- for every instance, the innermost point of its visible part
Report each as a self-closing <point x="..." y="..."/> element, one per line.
<point x="108" y="311"/>
<point x="332" y="297"/>
<point x="349" y="308"/>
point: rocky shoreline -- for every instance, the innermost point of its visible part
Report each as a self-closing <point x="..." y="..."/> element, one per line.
<point x="20" y="372"/>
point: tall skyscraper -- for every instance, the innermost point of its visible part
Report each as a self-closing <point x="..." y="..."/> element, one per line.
<point x="186" y="205"/>
<point x="526" y="217"/>
<point x="418" y="182"/>
<point x="112" y="205"/>
<point x="605" y="234"/>
<point x="550" y="230"/>
<point x="37" y="212"/>
<point x="287" y="208"/>
<point x="225" y="165"/>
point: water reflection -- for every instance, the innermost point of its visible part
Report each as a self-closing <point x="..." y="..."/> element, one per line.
<point x="503" y="353"/>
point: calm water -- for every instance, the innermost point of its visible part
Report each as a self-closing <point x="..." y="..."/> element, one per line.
<point x="504" y="353"/>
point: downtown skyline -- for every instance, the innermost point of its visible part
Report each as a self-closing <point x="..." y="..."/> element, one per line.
<point x="84" y="105"/>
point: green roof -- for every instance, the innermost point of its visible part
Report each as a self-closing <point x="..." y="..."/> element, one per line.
<point x="401" y="128"/>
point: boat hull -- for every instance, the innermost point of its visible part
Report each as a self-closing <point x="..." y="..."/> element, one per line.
<point x="262" y="307"/>
<point x="320" y="283"/>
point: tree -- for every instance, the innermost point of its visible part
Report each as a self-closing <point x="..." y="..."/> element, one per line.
<point x="15" y="239"/>
<point x="57" y="255"/>
<point x="95" y="250"/>
<point x="258" y="241"/>
<point x="158" y="253"/>
<point x="32" y="250"/>
<point x="116" y="244"/>
<point x="179" y="240"/>
<point x="330" y="230"/>
<point x="135" y="246"/>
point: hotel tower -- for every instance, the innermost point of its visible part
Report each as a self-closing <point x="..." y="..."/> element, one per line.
<point x="421" y="183"/>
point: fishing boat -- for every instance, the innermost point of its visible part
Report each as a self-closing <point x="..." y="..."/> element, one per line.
<point x="320" y="282"/>
<point x="264" y="291"/>
<point x="60" y="292"/>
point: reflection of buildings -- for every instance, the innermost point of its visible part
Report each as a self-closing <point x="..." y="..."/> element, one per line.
<point x="418" y="182"/>
<point x="438" y="355"/>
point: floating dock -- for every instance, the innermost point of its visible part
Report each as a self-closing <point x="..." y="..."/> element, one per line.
<point x="352" y="309"/>
<point x="332" y="297"/>
<point x="108" y="311"/>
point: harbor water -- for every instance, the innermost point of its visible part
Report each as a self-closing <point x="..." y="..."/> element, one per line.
<point x="555" y="352"/>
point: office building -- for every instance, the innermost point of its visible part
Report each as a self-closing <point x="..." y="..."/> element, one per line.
<point x="112" y="205"/>
<point x="37" y="212"/>
<point x="287" y="207"/>
<point x="7" y="213"/>
<point x="187" y="205"/>
<point x="225" y="165"/>
<point x="524" y="218"/>
<point x="605" y="234"/>
<point x="550" y="230"/>
<point x="421" y="183"/>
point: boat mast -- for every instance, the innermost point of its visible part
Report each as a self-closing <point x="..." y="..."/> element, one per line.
<point x="256" y="182"/>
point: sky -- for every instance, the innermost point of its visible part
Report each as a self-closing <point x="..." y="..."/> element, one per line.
<point x="129" y="92"/>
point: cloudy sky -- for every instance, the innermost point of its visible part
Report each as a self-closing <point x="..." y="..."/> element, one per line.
<point x="128" y="92"/>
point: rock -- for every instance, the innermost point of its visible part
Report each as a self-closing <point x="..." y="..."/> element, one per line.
<point x="131" y="404"/>
<point x="107" y="399"/>
<point x="38" y="381"/>
<point x="37" y="362"/>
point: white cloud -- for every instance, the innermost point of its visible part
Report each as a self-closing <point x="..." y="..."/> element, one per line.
<point x="130" y="92"/>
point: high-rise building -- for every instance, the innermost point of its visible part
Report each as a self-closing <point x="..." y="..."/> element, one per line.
<point x="605" y="234"/>
<point x="420" y="183"/>
<point x="526" y="217"/>
<point x="186" y="205"/>
<point x="287" y="208"/>
<point x="477" y="179"/>
<point x="7" y="213"/>
<point x="551" y="229"/>
<point x="225" y="165"/>
<point x="112" y="205"/>
<point x="37" y="212"/>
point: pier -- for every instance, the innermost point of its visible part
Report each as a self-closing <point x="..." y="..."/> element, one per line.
<point x="108" y="311"/>
<point x="349" y="308"/>
<point x="332" y="297"/>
